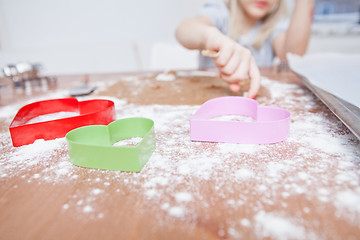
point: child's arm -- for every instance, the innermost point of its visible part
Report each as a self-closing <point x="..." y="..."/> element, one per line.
<point x="296" y="38"/>
<point x="192" y="32"/>
<point x="234" y="61"/>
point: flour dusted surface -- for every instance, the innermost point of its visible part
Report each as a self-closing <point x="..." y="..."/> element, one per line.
<point x="255" y="189"/>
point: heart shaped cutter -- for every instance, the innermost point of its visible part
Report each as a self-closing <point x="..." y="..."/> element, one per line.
<point x="271" y="125"/>
<point x="92" y="146"/>
<point x="91" y="112"/>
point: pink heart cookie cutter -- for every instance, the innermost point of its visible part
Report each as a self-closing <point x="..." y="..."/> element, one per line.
<point x="91" y="112"/>
<point x="270" y="125"/>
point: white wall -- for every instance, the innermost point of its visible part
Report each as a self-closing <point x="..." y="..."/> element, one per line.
<point x="79" y="36"/>
<point x="94" y="36"/>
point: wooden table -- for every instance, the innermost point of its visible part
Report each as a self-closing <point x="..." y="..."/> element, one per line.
<point x="306" y="187"/>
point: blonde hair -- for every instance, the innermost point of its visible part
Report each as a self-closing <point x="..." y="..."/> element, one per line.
<point x="268" y="22"/>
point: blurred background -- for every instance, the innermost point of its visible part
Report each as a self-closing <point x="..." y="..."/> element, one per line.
<point x="93" y="36"/>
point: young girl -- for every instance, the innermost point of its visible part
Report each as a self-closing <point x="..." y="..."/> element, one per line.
<point x="245" y="34"/>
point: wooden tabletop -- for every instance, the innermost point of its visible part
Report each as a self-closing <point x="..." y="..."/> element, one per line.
<point x="307" y="187"/>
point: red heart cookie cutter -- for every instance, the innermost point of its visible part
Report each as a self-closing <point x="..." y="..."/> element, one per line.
<point x="91" y="112"/>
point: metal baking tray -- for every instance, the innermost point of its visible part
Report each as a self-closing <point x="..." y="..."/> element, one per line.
<point x="348" y="113"/>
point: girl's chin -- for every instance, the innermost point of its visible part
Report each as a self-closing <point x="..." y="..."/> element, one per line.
<point x="257" y="14"/>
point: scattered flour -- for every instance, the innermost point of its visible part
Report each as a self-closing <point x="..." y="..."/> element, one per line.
<point x="150" y="193"/>
<point x="319" y="163"/>
<point x="166" y="77"/>
<point x="244" y="173"/>
<point x="197" y="73"/>
<point x="234" y="118"/>
<point x="52" y="116"/>
<point x="245" y="222"/>
<point x="97" y="191"/>
<point x="177" y="211"/>
<point x="11" y="110"/>
<point x="274" y="226"/>
<point x="348" y="201"/>
<point x="87" y="209"/>
<point x="183" y="197"/>
<point x="128" y="142"/>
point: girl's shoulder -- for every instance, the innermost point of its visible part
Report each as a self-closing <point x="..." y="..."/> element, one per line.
<point x="218" y="13"/>
<point x="215" y="5"/>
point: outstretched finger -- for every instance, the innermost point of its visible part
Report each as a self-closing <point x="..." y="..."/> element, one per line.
<point x="255" y="77"/>
<point x="234" y="87"/>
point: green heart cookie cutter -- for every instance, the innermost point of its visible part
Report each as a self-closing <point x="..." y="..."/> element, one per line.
<point x="92" y="146"/>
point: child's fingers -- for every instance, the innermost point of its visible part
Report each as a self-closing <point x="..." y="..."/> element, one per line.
<point x="255" y="79"/>
<point x="229" y="78"/>
<point x="210" y="53"/>
<point x="242" y="72"/>
<point x="232" y="65"/>
<point x="234" y="87"/>
<point x="224" y="56"/>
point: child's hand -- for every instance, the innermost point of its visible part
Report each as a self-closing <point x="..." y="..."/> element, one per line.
<point x="234" y="62"/>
